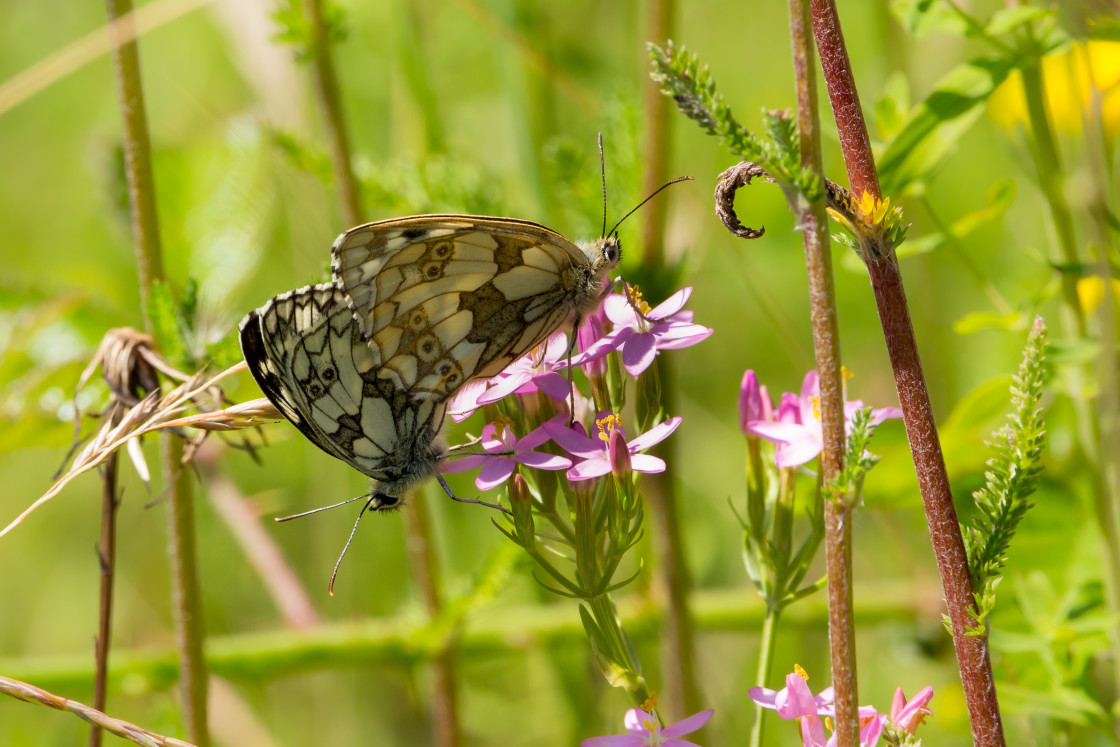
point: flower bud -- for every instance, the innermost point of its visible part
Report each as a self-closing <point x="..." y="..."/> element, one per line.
<point x="619" y="454"/>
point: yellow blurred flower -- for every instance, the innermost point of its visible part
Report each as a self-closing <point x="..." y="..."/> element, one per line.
<point x="1071" y="76"/>
<point x="1090" y="292"/>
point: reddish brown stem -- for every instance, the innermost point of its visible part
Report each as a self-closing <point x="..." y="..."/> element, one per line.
<point x="826" y="344"/>
<point x="106" y="552"/>
<point x="842" y="92"/>
<point x="921" y="430"/>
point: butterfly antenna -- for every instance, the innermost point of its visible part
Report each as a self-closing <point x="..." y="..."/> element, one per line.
<point x="643" y="202"/>
<point x="322" y="508"/>
<point x="603" y="171"/>
<point x="452" y="496"/>
<point x="337" y="563"/>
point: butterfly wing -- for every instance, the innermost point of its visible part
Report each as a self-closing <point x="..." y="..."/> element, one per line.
<point x="443" y="299"/>
<point x="307" y="354"/>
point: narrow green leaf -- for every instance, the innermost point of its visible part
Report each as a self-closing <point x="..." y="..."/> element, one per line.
<point x="933" y="129"/>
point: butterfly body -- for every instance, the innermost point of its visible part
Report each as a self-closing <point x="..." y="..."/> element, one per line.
<point x="443" y="299"/>
<point x="307" y="354"/>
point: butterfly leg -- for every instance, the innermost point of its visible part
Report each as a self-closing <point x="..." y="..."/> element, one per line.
<point x="447" y="489"/>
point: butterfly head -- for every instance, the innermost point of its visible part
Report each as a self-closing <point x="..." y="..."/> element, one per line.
<point x="604" y="254"/>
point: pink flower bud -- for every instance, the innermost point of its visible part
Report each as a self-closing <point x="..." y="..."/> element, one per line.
<point x="619" y="454"/>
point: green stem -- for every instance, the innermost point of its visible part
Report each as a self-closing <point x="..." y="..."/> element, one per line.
<point x="186" y="597"/>
<point x="326" y="86"/>
<point x="489" y="634"/>
<point x="422" y="559"/>
<point x="762" y="677"/>
<point x="1075" y="325"/>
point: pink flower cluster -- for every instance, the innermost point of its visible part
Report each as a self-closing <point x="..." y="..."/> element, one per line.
<point x="637" y="333"/>
<point x="796" y="701"/>
<point x="795" y="427"/>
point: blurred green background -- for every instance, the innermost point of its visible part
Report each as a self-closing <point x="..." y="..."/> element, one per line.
<point x="492" y="106"/>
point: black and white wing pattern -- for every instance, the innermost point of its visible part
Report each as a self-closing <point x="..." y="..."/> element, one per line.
<point x="308" y="355"/>
<point x="443" y="299"/>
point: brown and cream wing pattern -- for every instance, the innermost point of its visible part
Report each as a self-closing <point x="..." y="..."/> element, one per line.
<point x="443" y="299"/>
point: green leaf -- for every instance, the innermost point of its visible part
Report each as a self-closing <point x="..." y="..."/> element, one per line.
<point x="892" y="106"/>
<point x="1007" y="20"/>
<point x="922" y="17"/>
<point x="998" y="198"/>
<point x="978" y="321"/>
<point x="934" y="128"/>
<point x="167" y="324"/>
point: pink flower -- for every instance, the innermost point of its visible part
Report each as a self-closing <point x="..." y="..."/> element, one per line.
<point x="797" y="431"/>
<point x="795" y="699"/>
<point x="465" y="401"/>
<point x="639" y="335"/>
<point x="644" y="729"/>
<point x="506" y="453"/>
<point x="907" y="714"/>
<point x="754" y="402"/>
<point x="595" y="454"/>
<point x="534" y="371"/>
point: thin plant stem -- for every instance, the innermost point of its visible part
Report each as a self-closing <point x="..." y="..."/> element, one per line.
<point x="106" y="556"/>
<point x="765" y="654"/>
<point x="422" y="558"/>
<point x="678" y="657"/>
<point x="1051" y="180"/>
<point x="186" y="597"/>
<point x="973" y="657"/>
<point x="326" y="87"/>
<point x="488" y="635"/>
<point x="444" y="710"/>
<point x="826" y="346"/>
<point x="658" y="143"/>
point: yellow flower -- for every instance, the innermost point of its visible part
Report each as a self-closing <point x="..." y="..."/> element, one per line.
<point x="1071" y="76"/>
<point x="1090" y="291"/>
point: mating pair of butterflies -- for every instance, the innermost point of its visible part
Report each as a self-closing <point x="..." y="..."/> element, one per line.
<point x="364" y="366"/>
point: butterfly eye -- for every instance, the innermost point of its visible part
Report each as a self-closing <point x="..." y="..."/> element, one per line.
<point x="612" y="252"/>
<point x="385" y="501"/>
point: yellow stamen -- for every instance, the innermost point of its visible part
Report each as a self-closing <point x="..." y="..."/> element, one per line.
<point x="636" y="299"/>
<point x="650" y="704"/>
<point x="828" y="723"/>
<point x="501" y="424"/>
<point x="816" y="401"/>
<point x="845" y="373"/>
<point x="606" y="425"/>
<point x="798" y="670"/>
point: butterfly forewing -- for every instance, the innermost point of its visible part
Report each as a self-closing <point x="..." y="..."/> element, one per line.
<point x="442" y="299"/>
<point x="307" y="354"/>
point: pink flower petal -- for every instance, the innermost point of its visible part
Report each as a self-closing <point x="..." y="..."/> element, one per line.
<point x="772" y="431"/>
<point x="763" y="696"/>
<point x="688" y="725"/>
<point x="798" y="453"/>
<point x="619" y="311"/>
<point x="533" y="440"/>
<point x="572" y="440"/>
<point x="553" y="384"/>
<point x="465" y="402"/>
<point x="494" y="473"/>
<point x="636" y="720"/>
<point x="646" y="463"/>
<point x="589" y="469"/>
<point x="810" y="387"/>
<point x="798" y="699"/>
<point x="542" y="460"/>
<point x="681" y="336"/>
<point x="670" y="305"/>
<point x="461" y="464"/>
<point x="505" y="387"/>
<point x="638" y="352"/>
<point x="655" y="435"/>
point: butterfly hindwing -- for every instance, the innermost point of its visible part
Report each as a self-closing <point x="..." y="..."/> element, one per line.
<point x="443" y="299"/>
<point x="307" y="354"/>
